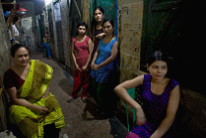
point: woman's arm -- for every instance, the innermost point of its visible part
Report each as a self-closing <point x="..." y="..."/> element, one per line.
<point x="91" y="47"/>
<point x="74" y="58"/>
<point x="121" y="91"/>
<point x="109" y="59"/>
<point x="100" y="36"/>
<point x="23" y="102"/>
<point x="170" y="113"/>
<point x="44" y="40"/>
<point x="94" y="58"/>
<point x="47" y="92"/>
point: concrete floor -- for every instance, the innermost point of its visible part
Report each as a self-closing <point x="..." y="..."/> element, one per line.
<point x="81" y="119"/>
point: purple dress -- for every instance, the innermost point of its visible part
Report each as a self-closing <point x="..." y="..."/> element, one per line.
<point x="154" y="107"/>
<point x="96" y="41"/>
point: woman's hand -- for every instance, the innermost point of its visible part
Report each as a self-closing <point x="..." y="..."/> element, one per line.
<point x="84" y="67"/>
<point x="78" y="68"/>
<point x="99" y="36"/>
<point x="92" y="65"/>
<point x="40" y="109"/>
<point x="96" y="67"/>
<point x="140" y="117"/>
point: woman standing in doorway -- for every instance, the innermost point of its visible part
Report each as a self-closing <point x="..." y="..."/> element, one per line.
<point x="82" y="47"/>
<point x="103" y="65"/>
<point x="98" y="32"/>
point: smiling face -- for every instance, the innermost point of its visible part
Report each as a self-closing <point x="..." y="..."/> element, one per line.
<point x="21" y="57"/>
<point x="108" y="28"/>
<point x="98" y="15"/>
<point x="158" y="69"/>
<point x="81" y="30"/>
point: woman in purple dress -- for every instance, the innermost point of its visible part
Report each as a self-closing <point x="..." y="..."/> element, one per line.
<point x="98" y="32"/>
<point x="160" y="98"/>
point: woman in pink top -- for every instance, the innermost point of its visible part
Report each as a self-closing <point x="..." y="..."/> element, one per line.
<point x="82" y="48"/>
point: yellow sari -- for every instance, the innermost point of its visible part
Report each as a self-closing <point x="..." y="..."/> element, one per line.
<point x="30" y="123"/>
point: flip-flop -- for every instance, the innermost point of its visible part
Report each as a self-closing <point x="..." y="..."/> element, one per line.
<point x="84" y="99"/>
<point x="71" y="99"/>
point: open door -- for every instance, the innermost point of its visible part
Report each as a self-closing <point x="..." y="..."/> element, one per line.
<point x="178" y="28"/>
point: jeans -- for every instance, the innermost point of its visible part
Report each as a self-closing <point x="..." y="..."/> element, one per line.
<point x="47" y="48"/>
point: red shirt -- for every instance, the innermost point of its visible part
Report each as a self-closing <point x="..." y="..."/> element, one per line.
<point x="82" y="49"/>
<point x="11" y="79"/>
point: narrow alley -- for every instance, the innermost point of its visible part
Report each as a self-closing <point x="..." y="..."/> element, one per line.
<point x="111" y="46"/>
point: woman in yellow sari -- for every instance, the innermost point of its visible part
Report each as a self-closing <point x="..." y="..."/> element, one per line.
<point x="34" y="110"/>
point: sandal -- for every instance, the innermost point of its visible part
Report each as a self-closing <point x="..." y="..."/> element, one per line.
<point x="70" y="99"/>
<point x="84" y="99"/>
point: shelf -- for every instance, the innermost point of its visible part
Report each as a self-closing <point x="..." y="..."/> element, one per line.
<point x="7" y="6"/>
<point x="8" y="3"/>
<point x="10" y="6"/>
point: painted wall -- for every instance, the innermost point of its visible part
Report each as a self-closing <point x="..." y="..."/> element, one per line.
<point x="55" y="40"/>
<point x="64" y="6"/>
<point x="86" y="15"/>
<point x="5" y="63"/>
<point x="130" y="15"/>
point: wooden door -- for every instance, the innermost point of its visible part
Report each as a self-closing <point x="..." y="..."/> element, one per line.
<point x="178" y="28"/>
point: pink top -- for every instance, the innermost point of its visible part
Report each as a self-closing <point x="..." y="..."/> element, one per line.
<point x="82" y="49"/>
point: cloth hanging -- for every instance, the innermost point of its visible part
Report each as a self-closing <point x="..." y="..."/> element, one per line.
<point x="15" y="30"/>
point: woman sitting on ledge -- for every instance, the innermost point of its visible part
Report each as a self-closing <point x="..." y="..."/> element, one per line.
<point x="34" y="110"/>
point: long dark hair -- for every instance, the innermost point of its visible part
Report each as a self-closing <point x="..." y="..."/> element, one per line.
<point x="163" y="56"/>
<point x="94" y="23"/>
<point x="15" y="47"/>
<point x="158" y="55"/>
